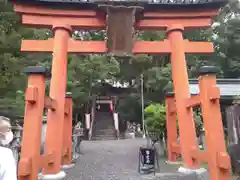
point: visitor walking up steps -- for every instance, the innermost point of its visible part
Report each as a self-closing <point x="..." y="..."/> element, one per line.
<point x="8" y="170"/>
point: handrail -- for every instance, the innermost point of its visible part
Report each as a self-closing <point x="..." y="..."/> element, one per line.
<point x="16" y="145"/>
<point x="19" y="128"/>
<point x="116" y="128"/>
<point x="90" y="130"/>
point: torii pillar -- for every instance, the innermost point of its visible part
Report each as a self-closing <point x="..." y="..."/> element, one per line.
<point x="55" y="123"/>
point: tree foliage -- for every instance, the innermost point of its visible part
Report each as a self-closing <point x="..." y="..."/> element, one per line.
<point x="86" y="72"/>
<point x="129" y="108"/>
<point x="155" y="118"/>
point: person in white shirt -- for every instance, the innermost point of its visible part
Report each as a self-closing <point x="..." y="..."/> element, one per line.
<point x="8" y="169"/>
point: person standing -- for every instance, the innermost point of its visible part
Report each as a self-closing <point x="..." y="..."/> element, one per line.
<point x="8" y="168"/>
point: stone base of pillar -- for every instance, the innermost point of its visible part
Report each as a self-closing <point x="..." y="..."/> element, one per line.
<point x="117" y="134"/>
<point x="130" y="135"/>
<point x="58" y="176"/>
<point x="67" y="166"/>
<point x="185" y="170"/>
<point x="75" y="157"/>
<point x="179" y="176"/>
<point x="86" y="133"/>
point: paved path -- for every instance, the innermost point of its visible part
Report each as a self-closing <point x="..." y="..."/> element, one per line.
<point x="113" y="160"/>
<point x="107" y="160"/>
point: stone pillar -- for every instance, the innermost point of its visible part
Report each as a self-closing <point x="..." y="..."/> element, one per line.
<point x="87" y="121"/>
<point x="115" y="117"/>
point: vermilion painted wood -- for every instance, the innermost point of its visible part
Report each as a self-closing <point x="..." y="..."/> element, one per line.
<point x="186" y="124"/>
<point x="218" y="159"/>
<point x="172" y="21"/>
<point x="81" y="23"/>
<point x="50" y="103"/>
<point x="193" y="101"/>
<point x="32" y="128"/>
<point x="99" y="47"/>
<point x="67" y="134"/>
<point x="164" y="47"/>
<point x="55" y="122"/>
<point x="215" y="155"/>
<point x="171" y="124"/>
<point x="163" y="24"/>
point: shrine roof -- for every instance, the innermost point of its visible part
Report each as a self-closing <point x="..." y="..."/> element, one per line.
<point x="147" y="4"/>
<point x="58" y="4"/>
<point x="228" y="87"/>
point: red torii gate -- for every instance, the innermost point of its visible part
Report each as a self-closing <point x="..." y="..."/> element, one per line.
<point x="62" y="21"/>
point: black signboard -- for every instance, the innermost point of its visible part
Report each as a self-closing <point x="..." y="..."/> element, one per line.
<point x="148" y="156"/>
<point x="148" y="159"/>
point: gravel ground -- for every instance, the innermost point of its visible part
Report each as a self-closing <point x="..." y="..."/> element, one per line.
<point x="117" y="160"/>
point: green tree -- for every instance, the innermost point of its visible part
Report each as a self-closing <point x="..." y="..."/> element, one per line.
<point x="155" y="119"/>
<point x="226" y="39"/>
<point x="85" y="72"/>
<point x="129" y="108"/>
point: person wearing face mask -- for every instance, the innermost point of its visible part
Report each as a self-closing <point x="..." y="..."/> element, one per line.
<point x="8" y="169"/>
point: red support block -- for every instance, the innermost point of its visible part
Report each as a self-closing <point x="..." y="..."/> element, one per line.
<point x="67" y="134"/>
<point x="171" y="123"/>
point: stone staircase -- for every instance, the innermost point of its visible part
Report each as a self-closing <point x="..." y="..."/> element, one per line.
<point x="103" y="127"/>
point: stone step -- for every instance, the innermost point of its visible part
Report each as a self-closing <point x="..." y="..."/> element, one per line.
<point x="105" y="134"/>
<point x="103" y="120"/>
<point x="102" y="135"/>
<point x="104" y="130"/>
<point x="103" y="124"/>
<point x="108" y="134"/>
<point x="103" y="138"/>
